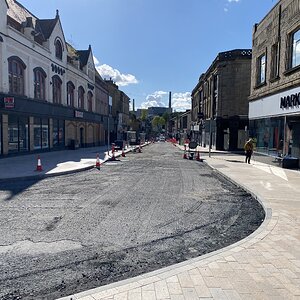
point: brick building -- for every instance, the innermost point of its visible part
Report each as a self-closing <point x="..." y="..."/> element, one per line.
<point x="274" y="108"/>
<point x="220" y="101"/>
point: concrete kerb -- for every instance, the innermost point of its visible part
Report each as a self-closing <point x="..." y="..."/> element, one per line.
<point x="42" y="175"/>
<point x="45" y="175"/>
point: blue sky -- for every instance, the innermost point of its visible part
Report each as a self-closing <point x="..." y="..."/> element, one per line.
<point x="151" y="47"/>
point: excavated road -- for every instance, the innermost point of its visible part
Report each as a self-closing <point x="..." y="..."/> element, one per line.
<point x="66" y="234"/>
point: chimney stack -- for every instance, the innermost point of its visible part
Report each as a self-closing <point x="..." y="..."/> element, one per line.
<point x="133" y="109"/>
<point x="170" y="99"/>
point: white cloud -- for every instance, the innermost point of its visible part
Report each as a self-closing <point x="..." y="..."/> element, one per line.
<point x="108" y="72"/>
<point x="180" y="101"/>
<point x="226" y="8"/>
<point x="155" y="100"/>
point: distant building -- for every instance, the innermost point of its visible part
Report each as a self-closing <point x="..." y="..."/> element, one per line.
<point x="119" y="111"/>
<point x="274" y="108"/>
<point x="157" y="111"/>
<point x="220" y="101"/>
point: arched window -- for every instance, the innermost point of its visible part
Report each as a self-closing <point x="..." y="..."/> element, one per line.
<point x="39" y="79"/>
<point x="90" y="101"/>
<point x="56" y="89"/>
<point x="58" y="49"/>
<point x="16" y="69"/>
<point x="70" y="93"/>
<point x="81" y="97"/>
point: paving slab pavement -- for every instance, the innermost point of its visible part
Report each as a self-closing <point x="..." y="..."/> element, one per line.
<point x="264" y="265"/>
<point x="54" y="163"/>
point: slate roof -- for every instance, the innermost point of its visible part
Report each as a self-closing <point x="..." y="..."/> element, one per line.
<point x="46" y="26"/>
<point x="19" y="13"/>
<point x="83" y="56"/>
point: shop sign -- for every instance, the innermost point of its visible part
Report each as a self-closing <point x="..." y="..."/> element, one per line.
<point x="78" y="114"/>
<point x="292" y="100"/>
<point x="9" y="102"/>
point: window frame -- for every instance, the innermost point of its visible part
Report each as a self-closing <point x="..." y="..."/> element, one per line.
<point x="261" y="67"/>
<point x="275" y="61"/>
<point x="90" y="101"/>
<point x="58" y="49"/>
<point x="56" y="90"/>
<point x="39" y="82"/>
<point x="292" y="48"/>
<point x="70" y="94"/>
<point x="16" y="75"/>
<point x="81" y="93"/>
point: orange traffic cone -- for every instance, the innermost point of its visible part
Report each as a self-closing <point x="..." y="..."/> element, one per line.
<point x="123" y="153"/>
<point x="98" y="162"/>
<point x="39" y="164"/>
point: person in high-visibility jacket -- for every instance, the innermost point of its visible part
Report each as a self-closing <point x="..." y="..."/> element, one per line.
<point x="248" y="150"/>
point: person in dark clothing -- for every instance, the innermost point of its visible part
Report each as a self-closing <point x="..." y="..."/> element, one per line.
<point x="248" y="150"/>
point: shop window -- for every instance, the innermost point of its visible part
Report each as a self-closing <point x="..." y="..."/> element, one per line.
<point x="58" y="133"/>
<point x="41" y="133"/>
<point x="56" y="89"/>
<point x="39" y="77"/>
<point x="261" y="69"/>
<point x="58" y="49"/>
<point x="18" y="134"/>
<point x="275" y="61"/>
<point x="23" y="134"/>
<point x="295" y="49"/>
<point x="70" y="93"/>
<point x="16" y="70"/>
<point x="90" y="101"/>
<point x="81" y="97"/>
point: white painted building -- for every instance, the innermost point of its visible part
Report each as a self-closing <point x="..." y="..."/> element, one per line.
<point x="48" y="96"/>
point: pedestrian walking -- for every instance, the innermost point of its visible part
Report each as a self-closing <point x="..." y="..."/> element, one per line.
<point x="248" y="150"/>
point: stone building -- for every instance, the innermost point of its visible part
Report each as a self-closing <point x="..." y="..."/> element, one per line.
<point x="119" y="111"/>
<point x="51" y="96"/>
<point x="274" y="108"/>
<point x="220" y="101"/>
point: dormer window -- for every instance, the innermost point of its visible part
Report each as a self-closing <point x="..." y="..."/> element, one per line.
<point x="58" y="49"/>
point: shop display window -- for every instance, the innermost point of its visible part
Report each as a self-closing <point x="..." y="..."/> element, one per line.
<point x="58" y="133"/>
<point x="41" y="133"/>
<point x="18" y="132"/>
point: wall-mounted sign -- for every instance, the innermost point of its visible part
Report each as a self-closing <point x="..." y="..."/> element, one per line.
<point x="9" y="102"/>
<point x="78" y="114"/>
<point x="290" y="100"/>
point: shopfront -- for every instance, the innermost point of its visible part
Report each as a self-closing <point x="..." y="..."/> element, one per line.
<point x="275" y="123"/>
<point x="18" y="133"/>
